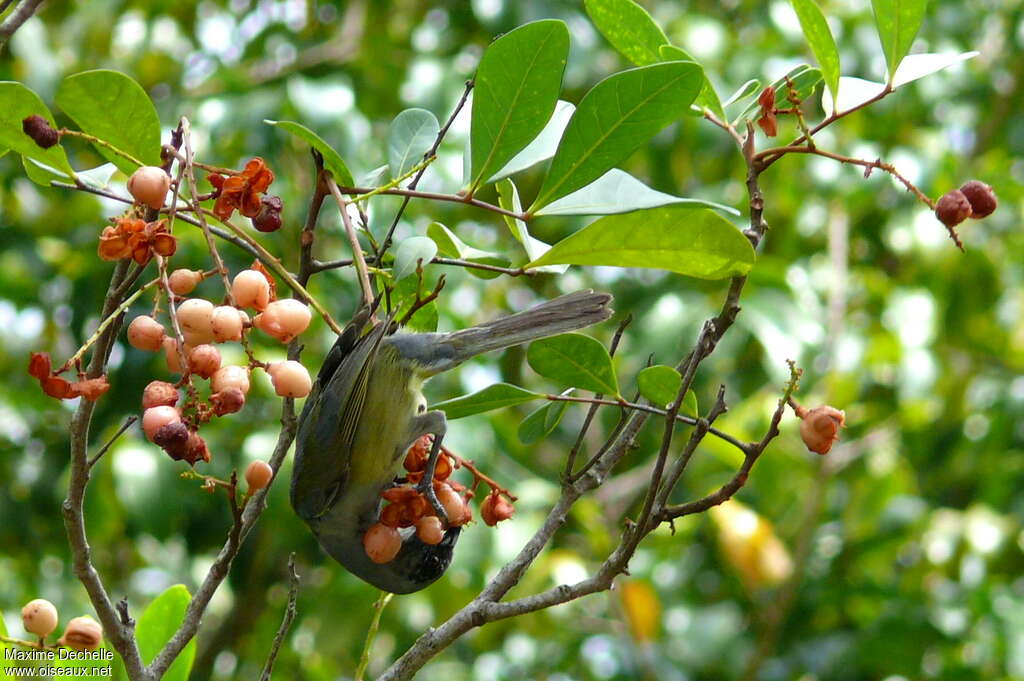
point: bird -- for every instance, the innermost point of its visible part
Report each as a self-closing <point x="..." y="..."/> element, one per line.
<point x="367" y="407"/>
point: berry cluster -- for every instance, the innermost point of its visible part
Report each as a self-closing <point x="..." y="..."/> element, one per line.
<point x="973" y="199"/>
<point x="203" y="325"/>
<point x="408" y="508"/>
<point x="39" y="617"/>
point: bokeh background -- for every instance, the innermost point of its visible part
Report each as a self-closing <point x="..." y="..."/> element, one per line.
<point x="899" y="556"/>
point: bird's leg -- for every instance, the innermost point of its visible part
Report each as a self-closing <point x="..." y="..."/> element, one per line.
<point x="432" y="423"/>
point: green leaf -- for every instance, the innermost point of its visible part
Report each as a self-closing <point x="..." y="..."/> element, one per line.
<point x="804" y="78"/>
<point x="543" y="145"/>
<point x="412" y="135"/>
<point x="452" y="246"/>
<point x="17" y="103"/>
<point x="403" y="297"/>
<point x="411" y="253"/>
<point x="819" y="38"/>
<point x="3" y="151"/>
<point x="508" y="198"/>
<point x="113" y="107"/>
<point x="619" y="192"/>
<point x="541" y="422"/>
<point x="41" y="174"/>
<point x="660" y="384"/>
<point x="898" y="22"/>
<point x="920" y="65"/>
<point x="629" y="28"/>
<point x="575" y="360"/>
<point x="708" y="98"/>
<point x="492" y="397"/>
<point x="332" y="161"/>
<point x="620" y="114"/>
<point x="745" y="91"/>
<point x="517" y="85"/>
<point x="67" y="670"/>
<point x="692" y="241"/>
<point x="156" y="626"/>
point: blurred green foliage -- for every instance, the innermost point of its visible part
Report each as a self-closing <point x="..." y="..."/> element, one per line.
<point x="908" y="545"/>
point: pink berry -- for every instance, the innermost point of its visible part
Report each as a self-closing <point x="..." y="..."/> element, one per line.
<point x="172" y="355"/>
<point x="226" y="323"/>
<point x="382" y="543"/>
<point x="227" y="401"/>
<point x="204" y="360"/>
<point x="429" y="529"/>
<point x="39" y="617"/>
<point x="159" y="394"/>
<point x="183" y="282"/>
<point x="258" y="475"/>
<point x="250" y="289"/>
<point x="155" y="418"/>
<point x="290" y="379"/>
<point x="195" y="319"/>
<point x="146" y="333"/>
<point x="454" y="505"/>
<point x="149" y="185"/>
<point x="284" y="319"/>
<point x="230" y="377"/>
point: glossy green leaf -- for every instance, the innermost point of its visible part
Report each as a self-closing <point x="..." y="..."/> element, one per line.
<point x="508" y="198"/>
<point x="543" y="145"/>
<point x="575" y="360"/>
<point x="156" y="626"/>
<point x="411" y="136"/>
<point x="619" y="192"/>
<point x="745" y="91"/>
<point x="332" y="161"/>
<point x="17" y="103"/>
<point x="411" y="253"/>
<point x="708" y="98"/>
<point x="620" y="114"/>
<point x="693" y="241"/>
<point x="451" y="246"/>
<point x="629" y="28"/>
<point x="819" y="38"/>
<point x="541" y="422"/>
<point x="492" y="397"/>
<point x="113" y="107"/>
<point x="804" y="78"/>
<point x="660" y="384"/>
<point x="403" y="297"/>
<point x="898" y="22"/>
<point x="517" y="86"/>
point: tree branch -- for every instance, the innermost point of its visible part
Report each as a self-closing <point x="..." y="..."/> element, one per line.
<point x="16" y="18"/>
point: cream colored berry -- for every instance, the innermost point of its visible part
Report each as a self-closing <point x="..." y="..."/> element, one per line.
<point x="230" y="377"/>
<point x="39" y="617"/>
<point x="204" y="360"/>
<point x="250" y="289"/>
<point x="285" y="319"/>
<point x="290" y="379"/>
<point x="227" y="323"/>
<point x="146" y="333"/>
<point x="382" y="543"/>
<point x="195" y="317"/>
<point x="149" y="185"/>
<point x="183" y="282"/>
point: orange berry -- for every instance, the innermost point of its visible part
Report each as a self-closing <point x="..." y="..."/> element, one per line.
<point x="146" y="333"/>
<point x="429" y="529"/>
<point x="258" y="475"/>
<point x="454" y="505"/>
<point x="149" y="185"/>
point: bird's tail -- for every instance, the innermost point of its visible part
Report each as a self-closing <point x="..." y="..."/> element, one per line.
<point x="566" y="313"/>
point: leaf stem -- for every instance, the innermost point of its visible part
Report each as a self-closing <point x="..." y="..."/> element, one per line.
<point x="371" y="634"/>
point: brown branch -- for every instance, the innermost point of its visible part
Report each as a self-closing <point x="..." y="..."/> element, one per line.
<point x="120" y="431"/>
<point x="16" y="18"/>
<point x="286" y="622"/>
<point x="437" y="196"/>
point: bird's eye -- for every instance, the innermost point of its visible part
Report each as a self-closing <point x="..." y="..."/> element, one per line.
<point x="422" y="408"/>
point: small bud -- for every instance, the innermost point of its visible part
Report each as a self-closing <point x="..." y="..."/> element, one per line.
<point x="159" y="394"/>
<point x="953" y="208"/>
<point x="149" y="185"/>
<point x="227" y="401"/>
<point x="40" y="130"/>
<point x="981" y="197"/>
<point x="183" y="282"/>
<point x="269" y="217"/>
<point x="82" y="633"/>
<point x="39" y="617"/>
<point x="820" y="428"/>
<point x="258" y="475"/>
<point x="495" y="508"/>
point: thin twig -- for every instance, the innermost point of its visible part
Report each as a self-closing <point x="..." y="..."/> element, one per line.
<point x="353" y="239"/>
<point x="286" y="622"/>
<point x="16" y="18"/>
<point x="371" y="633"/>
<point x="438" y="196"/>
<point x="120" y="431"/>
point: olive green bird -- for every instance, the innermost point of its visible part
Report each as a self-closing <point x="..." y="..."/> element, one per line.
<point x="365" y="410"/>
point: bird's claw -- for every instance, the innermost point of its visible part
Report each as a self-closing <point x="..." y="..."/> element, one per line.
<point x="427" y="490"/>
